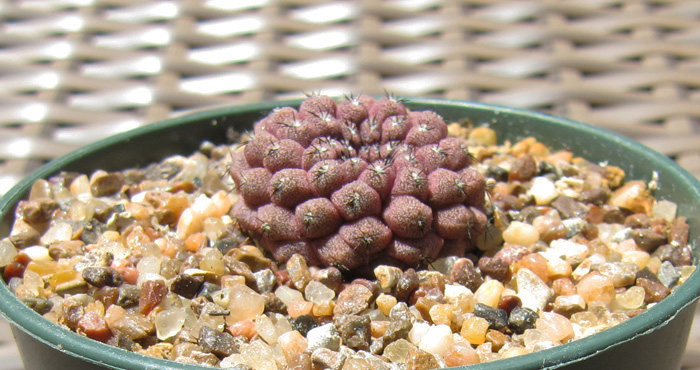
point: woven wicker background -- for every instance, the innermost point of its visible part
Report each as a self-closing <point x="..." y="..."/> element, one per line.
<point x="73" y="71"/>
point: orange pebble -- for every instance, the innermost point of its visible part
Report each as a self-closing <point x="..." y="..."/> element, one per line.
<point x="378" y="328"/>
<point x="535" y="263"/>
<point x="195" y="242"/>
<point x="460" y="354"/>
<point x="245" y="328"/>
<point x="297" y="309"/>
<point x="127" y="270"/>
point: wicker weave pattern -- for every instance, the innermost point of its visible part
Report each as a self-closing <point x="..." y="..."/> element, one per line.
<point x="74" y="71"/>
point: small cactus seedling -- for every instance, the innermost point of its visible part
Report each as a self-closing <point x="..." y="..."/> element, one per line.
<point x="357" y="182"/>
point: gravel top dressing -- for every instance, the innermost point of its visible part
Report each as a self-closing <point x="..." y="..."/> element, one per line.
<point x="349" y="234"/>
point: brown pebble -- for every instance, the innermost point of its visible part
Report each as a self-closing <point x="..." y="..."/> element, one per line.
<point x="421" y="360"/>
<point x="597" y="196"/>
<point x="108" y="295"/>
<point x="236" y="267"/>
<point x="354" y="330"/>
<point x="667" y="252"/>
<point x="423" y="304"/>
<point x="464" y="272"/>
<point x="36" y="212"/>
<point x="216" y="342"/>
<point x="568" y="207"/>
<point x="509" y="302"/>
<point x="496" y="338"/>
<point x="678" y="234"/>
<point x="66" y="249"/>
<point x="595" y="214"/>
<point x="613" y="215"/>
<point x="653" y="291"/>
<point x="496" y="268"/>
<point x="511" y="253"/>
<point x="326" y="359"/>
<point x="330" y="277"/>
<point x="408" y="282"/>
<point x="637" y="221"/>
<point x="523" y="169"/>
<point x="24" y="235"/>
<point x="590" y="231"/>
<point x="301" y="361"/>
<point x="298" y="270"/>
<point x="373" y="287"/>
<point x="647" y="239"/>
<point x="152" y="293"/>
<point x="251" y="256"/>
<point x="94" y="327"/>
<point x="186" y="285"/>
<point x="354" y="299"/>
<point x="104" y="183"/>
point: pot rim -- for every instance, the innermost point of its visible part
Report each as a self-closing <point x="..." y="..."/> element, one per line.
<point x="23" y="317"/>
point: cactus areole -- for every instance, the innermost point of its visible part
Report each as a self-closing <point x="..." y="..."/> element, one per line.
<point x="356" y="183"/>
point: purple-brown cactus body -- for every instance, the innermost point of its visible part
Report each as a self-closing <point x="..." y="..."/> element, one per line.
<point x="351" y="183"/>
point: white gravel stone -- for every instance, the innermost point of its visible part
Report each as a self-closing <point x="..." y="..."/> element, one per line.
<point x="324" y="336"/>
<point x="533" y="292"/>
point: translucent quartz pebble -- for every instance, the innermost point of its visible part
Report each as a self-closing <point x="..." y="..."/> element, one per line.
<point x="148" y="277"/>
<point x="460" y="354"/>
<point x="521" y="233"/>
<point x="37" y="253"/>
<point x="234" y="361"/>
<point x="149" y="265"/>
<point x="169" y="322"/>
<point x="244" y="304"/>
<point x="213" y="261"/>
<point x="532" y="291"/>
<point x="398" y="351"/>
<point x="437" y="340"/>
<point x="596" y="287"/>
<point x="288" y="295"/>
<point x="59" y="232"/>
<point x="357" y="363"/>
<point x="266" y="329"/>
<point x="632" y="298"/>
<point x="571" y="252"/>
<point x="188" y="223"/>
<point x="556" y="326"/>
<point x="556" y="267"/>
<point x="33" y="283"/>
<point x="474" y="330"/>
<point x="533" y="336"/>
<point x="489" y="293"/>
<point x="41" y="189"/>
<point x="292" y="344"/>
<point x="418" y="331"/>
<point x="455" y="292"/>
<point x="387" y="276"/>
<point x="259" y="356"/>
<point x="385" y="302"/>
<point x="317" y="292"/>
<point x="544" y="190"/>
<point x="665" y="209"/>
<point x="7" y="252"/>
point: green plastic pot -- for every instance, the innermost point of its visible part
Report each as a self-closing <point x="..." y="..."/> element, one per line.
<point x="653" y="340"/>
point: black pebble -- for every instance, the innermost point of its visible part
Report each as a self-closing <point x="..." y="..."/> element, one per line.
<point x="521" y="319"/>
<point x="496" y="317"/>
<point x="128" y="295"/>
<point x="303" y="323"/>
<point x="186" y="285"/>
<point x="207" y="289"/>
